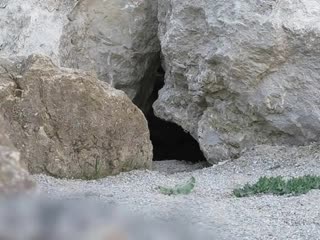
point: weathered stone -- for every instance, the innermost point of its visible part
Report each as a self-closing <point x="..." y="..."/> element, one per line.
<point x="66" y="123"/>
<point x="241" y="72"/>
<point x="116" y="38"/>
<point x="32" y="26"/>
<point x="14" y="178"/>
<point x="4" y="139"/>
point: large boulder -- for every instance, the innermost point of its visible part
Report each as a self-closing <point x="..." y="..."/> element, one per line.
<point x="116" y="38"/>
<point x="14" y="178"/>
<point x="67" y="123"/>
<point x="241" y="72"/>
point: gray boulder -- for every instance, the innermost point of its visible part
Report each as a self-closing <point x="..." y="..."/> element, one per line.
<point x="32" y="26"/>
<point x="241" y="72"/>
<point x="115" y="38"/>
<point x="66" y="123"/>
<point x="118" y="39"/>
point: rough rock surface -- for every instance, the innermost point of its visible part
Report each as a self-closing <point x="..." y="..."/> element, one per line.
<point x="4" y="139"/>
<point x="32" y="26"/>
<point x="241" y="73"/>
<point x="14" y="178"/>
<point x="66" y="123"/>
<point x="116" y="38"/>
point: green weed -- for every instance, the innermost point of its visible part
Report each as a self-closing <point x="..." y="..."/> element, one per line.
<point x="179" y="189"/>
<point x="279" y="186"/>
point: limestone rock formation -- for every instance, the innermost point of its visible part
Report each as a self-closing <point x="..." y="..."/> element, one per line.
<point x="32" y="26"/>
<point x="67" y="123"/>
<point x="241" y="73"/>
<point x="14" y="178"/>
<point x="116" y="38"/>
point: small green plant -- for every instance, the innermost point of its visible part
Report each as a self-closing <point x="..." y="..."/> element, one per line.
<point x="279" y="186"/>
<point x="179" y="189"/>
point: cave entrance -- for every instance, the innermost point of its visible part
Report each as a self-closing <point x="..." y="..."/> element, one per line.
<point x="170" y="141"/>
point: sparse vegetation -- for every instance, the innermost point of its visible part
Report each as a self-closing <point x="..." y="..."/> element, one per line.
<point x="279" y="186"/>
<point x="179" y="189"/>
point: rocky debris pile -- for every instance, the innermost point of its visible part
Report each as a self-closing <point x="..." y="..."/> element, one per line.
<point x="14" y="178"/>
<point x="241" y="73"/>
<point x="66" y="123"/>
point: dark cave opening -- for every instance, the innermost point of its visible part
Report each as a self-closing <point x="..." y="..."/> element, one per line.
<point x="170" y="141"/>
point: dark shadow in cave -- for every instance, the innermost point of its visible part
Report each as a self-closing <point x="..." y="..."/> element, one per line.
<point x="170" y="141"/>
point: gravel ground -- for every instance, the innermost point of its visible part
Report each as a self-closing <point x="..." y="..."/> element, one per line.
<point x="211" y="207"/>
